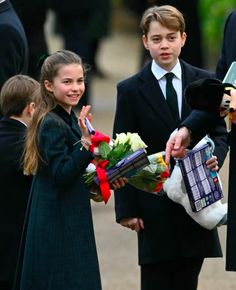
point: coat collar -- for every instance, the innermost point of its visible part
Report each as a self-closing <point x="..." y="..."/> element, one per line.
<point x="5" y="6"/>
<point x="70" y="119"/>
<point x="152" y="93"/>
<point x="11" y="123"/>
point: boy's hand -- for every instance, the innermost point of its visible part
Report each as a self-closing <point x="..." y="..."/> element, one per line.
<point x="135" y="224"/>
<point x="212" y="163"/>
<point x="177" y="144"/>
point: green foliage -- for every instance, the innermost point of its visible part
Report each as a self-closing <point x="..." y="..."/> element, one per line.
<point x="104" y="149"/>
<point x="117" y="153"/>
<point x="213" y="14"/>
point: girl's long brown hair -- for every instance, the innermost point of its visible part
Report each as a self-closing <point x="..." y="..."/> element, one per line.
<point x="49" y="70"/>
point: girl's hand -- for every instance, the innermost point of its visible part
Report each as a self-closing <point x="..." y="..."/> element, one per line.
<point x="212" y="163"/>
<point x="84" y="113"/>
<point x="86" y="137"/>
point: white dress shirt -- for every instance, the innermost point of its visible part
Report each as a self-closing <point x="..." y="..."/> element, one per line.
<point x="159" y="74"/>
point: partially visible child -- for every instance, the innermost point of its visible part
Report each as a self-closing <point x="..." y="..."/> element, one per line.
<point x="60" y="251"/>
<point x="18" y="98"/>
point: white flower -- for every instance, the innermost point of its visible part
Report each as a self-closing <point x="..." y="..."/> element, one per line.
<point x="90" y="168"/>
<point x="136" y="142"/>
<point x="121" y="138"/>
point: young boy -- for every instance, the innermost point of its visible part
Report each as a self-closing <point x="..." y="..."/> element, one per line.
<point x="17" y="100"/>
<point x="171" y="245"/>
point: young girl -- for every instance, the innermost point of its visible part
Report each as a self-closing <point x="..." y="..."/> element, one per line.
<point x="60" y="251"/>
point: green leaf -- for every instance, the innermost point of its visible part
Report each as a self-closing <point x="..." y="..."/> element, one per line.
<point x="104" y="149"/>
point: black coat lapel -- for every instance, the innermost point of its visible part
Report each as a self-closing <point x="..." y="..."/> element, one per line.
<point x="152" y="93"/>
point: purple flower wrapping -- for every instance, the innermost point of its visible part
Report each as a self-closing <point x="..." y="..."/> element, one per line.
<point x="127" y="166"/>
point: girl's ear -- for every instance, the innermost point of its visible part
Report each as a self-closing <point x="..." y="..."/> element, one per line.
<point x="48" y="86"/>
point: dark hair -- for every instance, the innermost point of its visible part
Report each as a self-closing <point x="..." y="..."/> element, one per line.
<point x="16" y="93"/>
<point x="166" y="15"/>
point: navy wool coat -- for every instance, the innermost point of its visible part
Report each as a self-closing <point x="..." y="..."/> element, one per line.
<point x="14" y="47"/>
<point x="15" y="188"/>
<point x="228" y="55"/>
<point x="60" y="251"/>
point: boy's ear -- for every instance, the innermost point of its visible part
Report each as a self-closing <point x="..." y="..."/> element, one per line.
<point x="144" y="39"/>
<point x="48" y="86"/>
<point x="31" y="108"/>
<point x="183" y="38"/>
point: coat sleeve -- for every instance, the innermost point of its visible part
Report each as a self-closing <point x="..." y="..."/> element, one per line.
<point x="227" y="52"/>
<point x="65" y="161"/>
<point x="202" y="123"/>
<point x="11" y="51"/>
<point x="126" y="197"/>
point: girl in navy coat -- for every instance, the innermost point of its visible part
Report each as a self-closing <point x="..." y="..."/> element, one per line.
<point x="60" y="251"/>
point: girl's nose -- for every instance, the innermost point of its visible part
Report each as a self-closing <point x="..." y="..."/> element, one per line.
<point x="75" y="87"/>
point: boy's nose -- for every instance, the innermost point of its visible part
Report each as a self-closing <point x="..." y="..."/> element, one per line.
<point x="164" y="43"/>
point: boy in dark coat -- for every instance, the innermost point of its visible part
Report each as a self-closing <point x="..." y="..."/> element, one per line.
<point x="172" y="247"/>
<point x="17" y="100"/>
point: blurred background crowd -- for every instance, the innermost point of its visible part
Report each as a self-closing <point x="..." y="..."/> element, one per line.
<point x="83" y="27"/>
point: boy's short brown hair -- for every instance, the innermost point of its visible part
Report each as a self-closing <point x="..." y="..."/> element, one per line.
<point x="16" y="93"/>
<point x="166" y="15"/>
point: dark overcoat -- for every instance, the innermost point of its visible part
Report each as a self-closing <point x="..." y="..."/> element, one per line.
<point x="228" y="55"/>
<point x="13" y="48"/>
<point x="169" y="233"/>
<point x="60" y="251"/>
<point x="14" y="193"/>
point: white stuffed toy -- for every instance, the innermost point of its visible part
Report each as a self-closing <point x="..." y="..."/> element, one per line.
<point x="209" y="217"/>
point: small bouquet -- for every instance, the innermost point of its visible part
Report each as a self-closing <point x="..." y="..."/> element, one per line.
<point x="121" y="157"/>
<point x="151" y="177"/>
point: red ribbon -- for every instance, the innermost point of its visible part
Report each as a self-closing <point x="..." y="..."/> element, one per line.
<point x="103" y="181"/>
<point x="158" y="186"/>
<point x="97" y="138"/>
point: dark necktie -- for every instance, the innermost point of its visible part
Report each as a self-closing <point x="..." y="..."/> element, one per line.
<point x="171" y="96"/>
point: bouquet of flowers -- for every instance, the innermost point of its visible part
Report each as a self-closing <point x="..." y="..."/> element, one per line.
<point x="151" y="177"/>
<point x="123" y="157"/>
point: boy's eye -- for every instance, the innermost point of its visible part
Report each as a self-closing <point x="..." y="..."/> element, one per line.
<point x="172" y="37"/>
<point x="156" y="39"/>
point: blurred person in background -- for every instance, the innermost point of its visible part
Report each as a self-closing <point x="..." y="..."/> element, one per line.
<point x="33" y="16"/>
<point x="14" y="47"/>
<point x="99" y="28"/>
<point x="83" y="24"/>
